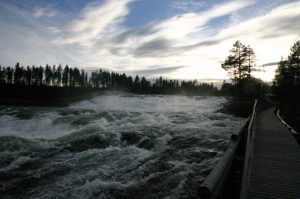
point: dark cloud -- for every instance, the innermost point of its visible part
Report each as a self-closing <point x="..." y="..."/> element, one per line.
<point x="151" y="71"/>
<point x="202" y="44"/>
<point x="160" y="47"/>
<point x="280" y="27"/>
<point x="134" y="33"/>
<point x="271" y="64"/>
<point x="154" y="71"/>
<point x="120" y="51"/>
<point x="155" y="47"/>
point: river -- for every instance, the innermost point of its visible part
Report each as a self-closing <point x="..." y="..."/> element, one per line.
<point x="114" y="146"/>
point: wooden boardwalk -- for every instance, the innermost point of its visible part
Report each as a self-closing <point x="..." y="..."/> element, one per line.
<point x="274" y="169"/>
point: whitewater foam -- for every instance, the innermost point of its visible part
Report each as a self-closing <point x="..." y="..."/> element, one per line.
<point x="123" y="146"/>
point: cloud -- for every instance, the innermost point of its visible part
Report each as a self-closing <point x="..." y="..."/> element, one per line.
<point x="154" y="71"/>
<point x="138" y="32"/>
<point x="97" y="20"/>
<point x="271" y="64"/>
<point x="198" y="40"/>
<point x="271" y="35"/>
<point x="54" y="29"/>
<point x="184" y="25"/>
<point x="169" y="37"/>
<point x="44" y="11"/>
<point x="158" y="47"/>
<point x="179" y="40"/>
<point x="189" y="5"/>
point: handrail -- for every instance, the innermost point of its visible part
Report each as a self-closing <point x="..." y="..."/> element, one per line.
<point x="286" y="124"/>
<point x="238" y="133"/>
<point x="250" y="136"/>
<point x="252" y="117"/>
<point x="213" y="184"/>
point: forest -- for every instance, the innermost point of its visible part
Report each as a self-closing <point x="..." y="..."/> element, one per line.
<point x="51" y="84"/>
<point x="286" y="86"/>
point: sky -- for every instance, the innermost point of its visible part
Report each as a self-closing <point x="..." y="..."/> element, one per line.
<point x="178" y="39"/>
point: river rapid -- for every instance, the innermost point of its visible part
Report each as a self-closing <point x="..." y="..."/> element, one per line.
<point x="115" y="146"/>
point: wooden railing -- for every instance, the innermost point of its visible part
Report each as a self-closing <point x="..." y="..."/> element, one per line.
<point x="213" y="185"/>
<point x="249" y="145"/>
<point x="295" y="133"/>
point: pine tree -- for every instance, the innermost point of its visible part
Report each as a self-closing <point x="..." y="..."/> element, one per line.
<point x="48" y="74"/>
<point x="59" y="75"/>
<point x="239" y="62"/>
<point x="250" y="60"/>
<point x="28" y="76"/>
<point x="65" y="77"/>
<point x="2" y="75"/>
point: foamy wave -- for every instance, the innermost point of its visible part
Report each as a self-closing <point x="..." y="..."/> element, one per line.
<point x="113" y="146"/>
<point x="16" y="163"/>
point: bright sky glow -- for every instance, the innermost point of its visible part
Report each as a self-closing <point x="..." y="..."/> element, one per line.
<point x="182" y="39"/>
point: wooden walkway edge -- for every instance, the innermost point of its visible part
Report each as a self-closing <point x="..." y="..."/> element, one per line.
<point x="274" y="170"/>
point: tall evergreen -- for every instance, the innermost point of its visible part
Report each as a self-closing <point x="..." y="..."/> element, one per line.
<point x="59" y="75"/>
<point x="2" y="75"/>
<point x="65" y="76"/>
<point x="239" y="65"/>
<point x="28" y="76"/>
<point x="240" y="62"/>
<point x="250" y="60"/>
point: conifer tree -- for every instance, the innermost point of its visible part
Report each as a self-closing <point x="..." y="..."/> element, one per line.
<point x="65" y="77"/>
<point x="239" y="62"/>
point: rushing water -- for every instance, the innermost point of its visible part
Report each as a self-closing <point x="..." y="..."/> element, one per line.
<point x="112" y="147"/>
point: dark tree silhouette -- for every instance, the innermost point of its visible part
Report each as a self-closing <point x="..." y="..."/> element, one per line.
<point x="48" y="75"/>
<point x="250" y="60"/>
<point x="286" y="86"/>
<point x="287" y="81"/>
<point x="240" y="62"/>
<point x="65" y="77"/>
<point x="239" y="65"/>
<point x="17" y="74"/>
<point x="28" y="76"/>
<point x="2" y="75"/>
<point x="59" y="75"/>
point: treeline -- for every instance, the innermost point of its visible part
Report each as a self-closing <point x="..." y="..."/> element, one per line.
<point x="43" y="76"/>
<point x="73" y="77"/>
<point x="286" y="86"/>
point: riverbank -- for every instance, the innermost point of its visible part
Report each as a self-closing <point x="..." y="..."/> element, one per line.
<point x="45" y="95"/>
<point x="239" y="108"/>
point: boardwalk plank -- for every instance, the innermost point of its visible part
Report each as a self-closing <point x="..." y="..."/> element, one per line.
<point x="275" y="163"/>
